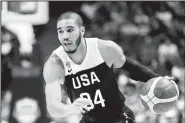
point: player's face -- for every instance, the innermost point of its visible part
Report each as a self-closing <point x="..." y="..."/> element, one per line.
<point x="69" y="34"/>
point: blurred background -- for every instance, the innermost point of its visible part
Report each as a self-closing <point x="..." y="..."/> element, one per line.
<point x="151" y="32"/>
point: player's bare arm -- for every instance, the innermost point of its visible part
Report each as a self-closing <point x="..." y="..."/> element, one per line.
<point x="114" y="57"/>
<point x="111" y="53"/>
<point x="53" y="73"/>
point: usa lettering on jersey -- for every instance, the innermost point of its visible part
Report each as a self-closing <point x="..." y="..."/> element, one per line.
<point x="85" y="80"/>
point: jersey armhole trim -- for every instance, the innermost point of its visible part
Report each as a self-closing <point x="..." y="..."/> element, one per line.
<point x="99" y="50"/>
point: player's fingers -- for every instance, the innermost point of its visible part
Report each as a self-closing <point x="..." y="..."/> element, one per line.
<point x="85" y="107"/>
<point x="79" y="104"/>
<point x="169" y="78"/>
<point x="84" y="101"/>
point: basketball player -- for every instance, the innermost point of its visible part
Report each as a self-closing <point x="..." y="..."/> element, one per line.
<point x="83" y="67"/>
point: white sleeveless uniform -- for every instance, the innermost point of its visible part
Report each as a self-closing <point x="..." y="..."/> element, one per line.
<point x="92" y="58"/>
<point x="94" y="80"/>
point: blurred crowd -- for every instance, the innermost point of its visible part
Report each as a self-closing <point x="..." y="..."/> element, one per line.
<point x="153" y="33"/>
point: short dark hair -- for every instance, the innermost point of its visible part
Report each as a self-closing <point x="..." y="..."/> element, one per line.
<point x="71" y="15"/>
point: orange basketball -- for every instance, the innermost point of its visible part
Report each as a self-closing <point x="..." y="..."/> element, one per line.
<point x="159" y="94"/>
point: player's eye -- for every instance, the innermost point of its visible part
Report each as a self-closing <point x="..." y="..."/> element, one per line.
<point x="60" y="31"/>
<point x="69" y="30"/>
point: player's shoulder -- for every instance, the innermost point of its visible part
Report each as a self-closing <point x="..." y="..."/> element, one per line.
<point x="109" y="50"/>
<point x="53" y="68"/>
<point x="54" y="60"/>
<point x="107" y="45"/>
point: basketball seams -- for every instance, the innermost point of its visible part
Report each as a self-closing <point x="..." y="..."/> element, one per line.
<point x="145" y="98"/>
<point x="150" y="99"/>
<point x="151" y="106"/>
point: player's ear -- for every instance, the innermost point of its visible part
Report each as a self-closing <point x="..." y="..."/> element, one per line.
<point x="57" y="32"/>
<point x="83" y="30"/>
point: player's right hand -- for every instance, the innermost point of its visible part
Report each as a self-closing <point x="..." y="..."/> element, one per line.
<point x="80" y="105"/>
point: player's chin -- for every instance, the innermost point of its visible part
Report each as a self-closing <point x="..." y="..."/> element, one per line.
<point x="70" y="50"/>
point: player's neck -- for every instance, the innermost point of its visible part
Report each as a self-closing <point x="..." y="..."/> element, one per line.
<point x="79" y="55"/>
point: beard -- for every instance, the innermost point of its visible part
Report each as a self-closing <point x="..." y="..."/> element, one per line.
<point x="77" y="43"/>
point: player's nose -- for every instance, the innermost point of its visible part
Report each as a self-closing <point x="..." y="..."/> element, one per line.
<point x="65" y="36"/>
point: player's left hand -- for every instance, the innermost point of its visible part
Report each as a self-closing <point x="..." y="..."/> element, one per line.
<point x="169" y="78"/>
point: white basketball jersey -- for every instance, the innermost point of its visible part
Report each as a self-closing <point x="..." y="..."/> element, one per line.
<point x="92" y="58"/>
<point x="94" y="80"/>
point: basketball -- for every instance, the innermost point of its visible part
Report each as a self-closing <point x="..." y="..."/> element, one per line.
<point x="159" y="95"/>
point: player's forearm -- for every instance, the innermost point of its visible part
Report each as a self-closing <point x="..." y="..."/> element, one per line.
<point x="137" y="71"/>
<point x="53" y="100"/>
<point x="58" y="110"/>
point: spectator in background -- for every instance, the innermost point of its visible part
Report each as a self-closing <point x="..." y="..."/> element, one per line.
<point x="90" y="9"/>
<point x="8" y="46"/>
<point x="22" y="29"/>
<point x="8" y="52"/>
<point x="182" y="47"/>
<point x="178" y="71"/>
<point x="148" y="53"/>
<point x="180" y="107"/>
<point x="172" y="116"/>
<point x="131" y="93"/>
<point x="20" y="17"/>
<point x="167" y="54"/>
<point x="122" y="80"/>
